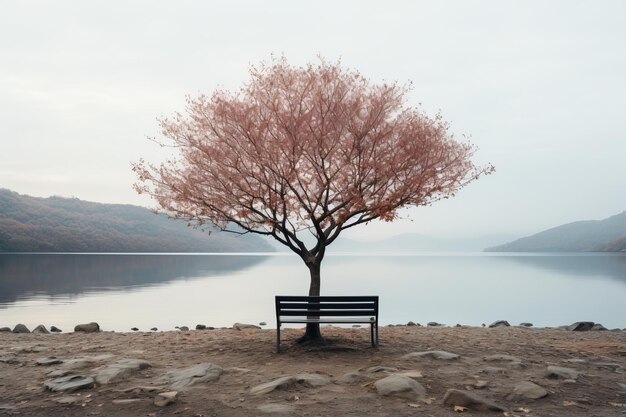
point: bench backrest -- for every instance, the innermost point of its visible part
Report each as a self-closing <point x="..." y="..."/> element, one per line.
<point x="292" y="305"/>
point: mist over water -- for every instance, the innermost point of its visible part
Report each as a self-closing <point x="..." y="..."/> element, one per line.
<point x="123" y="291"/>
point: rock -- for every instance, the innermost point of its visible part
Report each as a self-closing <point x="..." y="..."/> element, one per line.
<point x="154" y="329"/>
<point x="59" y="372"/>
<point x="20" y="328"/>
<point x="180" y="379"/>
<point x="200" y="327"/>
<point x="183" y="328"/>
<point x="276" y="409"/>
<point x="165" y="398"/>
<point x="470" y="400"/>
<point x="50" y="360"/>
<point x="411" y="324"/>
<point x="598" y="326"/>
<point x="55" y="329"/>
<point x="92" y="327"/>
<point x="125" y="401"/>
<point x="581" y="326"/>
<point x="413" y="374"/>
<point x="511" y="361"/>
<point x="525" y="324"/>
<point x="622" y="386"/>
<point x="400" y="386"/>
<point x="435" y="354"/>
<point x="262" y="323"/>
<point x="528" y="390"/>
<point x="435" y="324"/>
<point x="558" y="372"/>
<point x="612" y="366"/>
<point x="69" y="383"/>
<point x="375" y="369"/>
<point x="242" y="326"/>
<point x="312" y="380"/>
<point x="268" y="387"/>
<point x="481" y="384"/>
<point x="5" y="329"/>
<point x="67" y="400"/>
<point x="352" y="378"/>
<point x="41" y="329"/>
<point x="499" y="323"/>
<point x="8" y="358"/>
<point x="119" y="370"/>
<point x="134" y="329"/>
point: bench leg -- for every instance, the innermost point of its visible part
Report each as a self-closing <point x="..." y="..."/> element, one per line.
<point x="278" y="338"/>
<point x="372" y="334"/>
<point x="377" y="334"/>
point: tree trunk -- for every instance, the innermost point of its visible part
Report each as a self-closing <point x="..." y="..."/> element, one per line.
<point x="313" y="329"/>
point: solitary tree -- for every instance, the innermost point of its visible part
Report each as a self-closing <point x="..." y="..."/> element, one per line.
<point x="303" y="153"/>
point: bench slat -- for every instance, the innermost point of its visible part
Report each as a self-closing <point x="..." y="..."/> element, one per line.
<point x="326" y="306"/>
<point x="327" y="313"/>
<point x="327" y="298"/>
<point x="361" y="321"/>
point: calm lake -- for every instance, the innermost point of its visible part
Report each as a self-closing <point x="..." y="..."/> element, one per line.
<point x="164" y="291"/>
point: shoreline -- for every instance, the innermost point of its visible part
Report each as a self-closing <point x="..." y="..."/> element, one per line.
<point x="339" y="378"/>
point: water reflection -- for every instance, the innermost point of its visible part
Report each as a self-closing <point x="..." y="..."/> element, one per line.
<point x="611" y="266"/>
<point x="23" y="276"/>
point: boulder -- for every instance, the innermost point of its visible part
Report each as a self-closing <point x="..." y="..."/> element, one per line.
<point x="200" y="327"/>
<point x="41" y="329"/>
<point x="580" y="326"/>
<point x="499" y="323"/>
<point x="559" y="372"/>
<point x="20" y="328"/>
<point x="92" y="327"/>
<point x="55" y="329"/>
<point x="242" y="326"/>
<point x="119" y="370"/>
<point x="183" y="328"/>
<point x="268" y="387"/>
<point x="8" y="358"/>
<point x="352" y="378"/>
<point x="525" y="324"/>
<point x="528" y="390"/>
<point x="435" y="354"/>
<point x="411" y="324"/>
<point x="154" y="329"/>
<point x="598" y="326"/>
<point x="134" y="329"/>
<point x="183" y="378"/>
<point x="165" y="398"/>
<point x="435" y="324"/>
<point x="5" y="329"/>
<point x="400" y="386"/>
<point x="262" y="323"/>
<point x="69" y="383"/>
<point x="470" y="400"/>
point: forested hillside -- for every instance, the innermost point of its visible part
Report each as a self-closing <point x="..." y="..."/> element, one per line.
<point x="57" y="224"/>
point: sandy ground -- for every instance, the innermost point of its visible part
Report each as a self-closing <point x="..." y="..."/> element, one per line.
<point x="248" y="359"/>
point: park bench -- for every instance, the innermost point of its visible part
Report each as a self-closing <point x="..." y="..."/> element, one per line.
<point x="327" y="309"/>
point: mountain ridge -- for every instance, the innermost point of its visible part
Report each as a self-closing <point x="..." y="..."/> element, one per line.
<point x="606" y="235"/>
<point x="59" y="224"/>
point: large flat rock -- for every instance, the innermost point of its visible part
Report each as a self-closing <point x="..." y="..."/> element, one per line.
<point x="434" y="354"/>
<point x="400" y="386"/>
<point x="180" y="379"/>
<point x="119" y="370"/>
<point x="69" y="383"/>
<point x="470" y="400"/>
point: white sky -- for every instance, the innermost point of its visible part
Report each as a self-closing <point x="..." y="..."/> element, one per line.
<point x="540" y="86"/>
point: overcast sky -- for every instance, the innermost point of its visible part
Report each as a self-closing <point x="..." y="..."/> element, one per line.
<point x="539" y="85"/>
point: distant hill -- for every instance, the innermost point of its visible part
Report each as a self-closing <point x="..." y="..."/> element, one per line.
<point x="584" y="236"/>
<point x="57" y="224"/>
